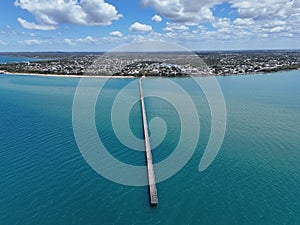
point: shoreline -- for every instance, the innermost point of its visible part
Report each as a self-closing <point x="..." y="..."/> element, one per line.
<point x="131" y="77"/>
<point x="68" y="76"/>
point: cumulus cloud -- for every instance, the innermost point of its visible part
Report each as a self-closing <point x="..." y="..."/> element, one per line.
<point x="201" y="11"/>
<point x="32" y="26"/>
<point x="175" y="26"/>
<point x="34" y="42"/>
<point x="138" y="27"/>
<point x="254" y="19"/>
<point x="191" y="21"/>
<point x="268" y="9"/>
<point x="244" y="22"/>
<point x="157" y="18"/>
<point x="49" y="14"/>
<point x="86" y="40"/>
<point x="116" y="34"/>
<point x="183" y="10"/>
<point x="70" y="41"/>
<point x="277" y="29"/>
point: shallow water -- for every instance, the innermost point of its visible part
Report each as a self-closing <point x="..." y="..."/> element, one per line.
<point x="255" y="178"/>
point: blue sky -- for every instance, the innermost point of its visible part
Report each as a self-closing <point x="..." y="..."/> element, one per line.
<point x="100" y="25"/>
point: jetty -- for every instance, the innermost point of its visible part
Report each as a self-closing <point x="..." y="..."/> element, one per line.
<point x="150" y="168"/>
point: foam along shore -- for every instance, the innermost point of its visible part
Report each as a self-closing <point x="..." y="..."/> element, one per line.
<point x="66" y="76"/>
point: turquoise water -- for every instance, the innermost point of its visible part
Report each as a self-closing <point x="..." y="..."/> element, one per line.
<point x="255" y="178"/>
<point x="7" y="59"/>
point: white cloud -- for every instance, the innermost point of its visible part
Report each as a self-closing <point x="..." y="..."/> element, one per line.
<point x="32" y="26"/>
<point x="244" y="22"/>
<point x="86" y="40"/>
<point x="8" y="31"/>
<point x="170" y="27"/>
<point x="3" y="43"/>
<point x="138" y="27"/>
<point x="34" y="42"/>
<point x="221" y="23"/>
<point x="256" y="19"/>
<point x="191" y="11"/>
<point x="267" y="9"/>
<point x="69" y="41"/>
<point x="116" y="34"/>
<point x="49" y="14"/>
<point x="183" y="10"/>
<point x="192" y="21"/>
<point x="277" y="29"/>
<point x="157" y="18"/>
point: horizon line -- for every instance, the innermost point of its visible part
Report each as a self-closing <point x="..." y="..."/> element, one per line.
<point x="215" y="50"/>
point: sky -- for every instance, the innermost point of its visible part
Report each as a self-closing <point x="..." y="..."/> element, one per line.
<point x="101" y="25"/>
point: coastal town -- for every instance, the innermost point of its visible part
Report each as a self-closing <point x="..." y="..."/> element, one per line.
<point x="156" y="64"/>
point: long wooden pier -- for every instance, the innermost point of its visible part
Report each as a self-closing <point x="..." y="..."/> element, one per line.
<point x="150" y="169"/>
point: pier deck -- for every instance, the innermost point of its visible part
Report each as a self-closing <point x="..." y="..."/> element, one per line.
<point x="150" y="168"/>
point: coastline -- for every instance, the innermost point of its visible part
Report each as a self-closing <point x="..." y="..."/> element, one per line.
<point x="133" y="77"/>
<point x="68" y="76"/>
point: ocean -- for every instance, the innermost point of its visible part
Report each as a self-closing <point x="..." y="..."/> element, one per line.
<point x="255" y="178"/>
<point x="8" y="59"/>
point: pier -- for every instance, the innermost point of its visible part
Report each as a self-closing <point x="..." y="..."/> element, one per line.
<point x="150" y="169"/>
